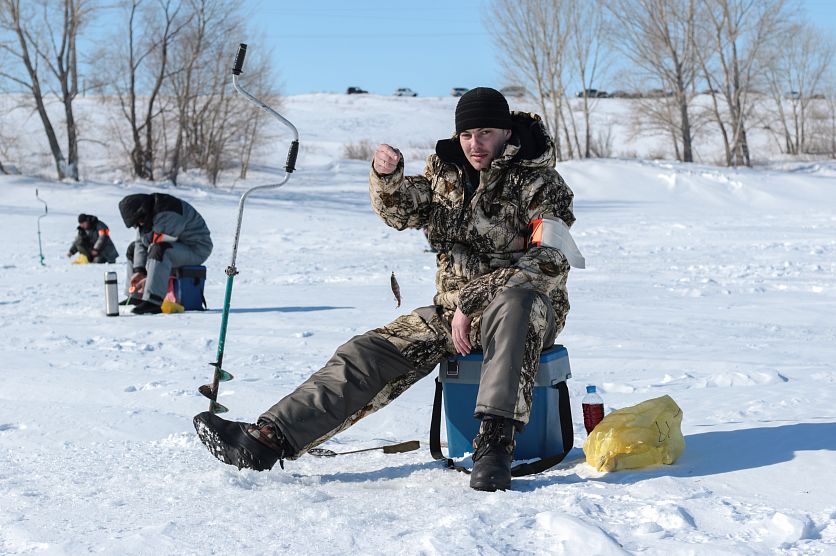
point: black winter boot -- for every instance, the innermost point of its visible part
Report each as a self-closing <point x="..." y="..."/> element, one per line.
<point x="256" y="447"/>
<point x="493" y="456"/>
<point x="147" y="308"/>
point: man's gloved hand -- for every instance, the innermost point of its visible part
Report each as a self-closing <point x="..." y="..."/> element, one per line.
<point x="157" y="250"/>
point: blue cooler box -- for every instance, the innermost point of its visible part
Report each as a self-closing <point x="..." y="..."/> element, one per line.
<point x="188" y="287"/>
<point x="542" y="436"/>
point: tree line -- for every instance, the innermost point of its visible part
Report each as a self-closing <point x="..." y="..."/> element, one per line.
<point x="759" y="62"/>
<point x="164" y="64"/>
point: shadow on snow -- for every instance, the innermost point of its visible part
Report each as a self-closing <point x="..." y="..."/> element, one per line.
<point x="712" y="453"/>
<point x="279" y="309"/>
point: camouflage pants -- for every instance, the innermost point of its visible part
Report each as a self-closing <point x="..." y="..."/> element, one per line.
<point x="371" y="370"/>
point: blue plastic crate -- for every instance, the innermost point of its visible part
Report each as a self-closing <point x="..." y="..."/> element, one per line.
<point x="188" y="287"/>
<point x="542" y="437"/>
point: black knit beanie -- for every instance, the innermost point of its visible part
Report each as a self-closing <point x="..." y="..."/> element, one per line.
<point x="482" y="107"/>
<point x="83" y="218"/>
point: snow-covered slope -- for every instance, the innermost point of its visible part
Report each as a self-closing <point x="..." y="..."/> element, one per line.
<point x="711" y="285"/>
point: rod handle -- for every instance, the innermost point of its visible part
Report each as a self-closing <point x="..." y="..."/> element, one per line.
<point x="239" y="59"/>
<point x="290" y="166"/>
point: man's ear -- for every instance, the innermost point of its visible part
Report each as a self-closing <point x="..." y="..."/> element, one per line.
<point x="507" y="134"/>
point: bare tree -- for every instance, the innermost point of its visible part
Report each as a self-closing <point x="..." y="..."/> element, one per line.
<point x="172" y="81"/>
<point x="249" y="139"/>
<point x="829" y="131"/>
<point x="533" y="35"/>
<point x="232" y="120"/>
<point x="185" y="58"/>
<point x="657" y="36"/>
<point x="46" y="32"/>
<point x="733" y="56"/>
<point x="211" y="120"/>
<point x="138" y="63"/>
<point x="588" y="48"/>
<point x="799" y="69"/>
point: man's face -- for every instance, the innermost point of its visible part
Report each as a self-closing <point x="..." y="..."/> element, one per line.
<point x="84" y="225"/>
<point x="482" y="145"/>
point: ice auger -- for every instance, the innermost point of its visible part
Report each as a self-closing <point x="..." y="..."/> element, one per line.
<point x="46" y="211"/>
<point x="220" y="375"/>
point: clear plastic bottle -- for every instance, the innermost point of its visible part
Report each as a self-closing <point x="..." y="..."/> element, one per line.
<point x="593" y="408"/>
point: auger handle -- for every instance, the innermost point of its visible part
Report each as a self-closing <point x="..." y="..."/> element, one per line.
<point x="238" y="65"/>
<point x="290" y="165"/>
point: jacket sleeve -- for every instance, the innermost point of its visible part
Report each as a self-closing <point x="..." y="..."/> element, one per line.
<point x="401" y="201"/>
<point x="168" y="226"/>
<point x="140" y="251"/>
<point x="103" y="232"/>
<point x="540" y="268"/>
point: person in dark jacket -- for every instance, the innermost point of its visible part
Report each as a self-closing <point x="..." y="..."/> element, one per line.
<point x="170" y="233"/>
<point x="500" y="288"/>
<point x="93" y="240"/>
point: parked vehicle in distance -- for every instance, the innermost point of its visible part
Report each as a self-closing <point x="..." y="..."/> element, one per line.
<point x="625" y="94"/>
<point x="513" y="91"/>
<point x="405" y="92"/>
<point x="593" y="93"/>
<point x="458" y="91"/>
<point x="657" y="93"/>
<point x="355" y="91"/>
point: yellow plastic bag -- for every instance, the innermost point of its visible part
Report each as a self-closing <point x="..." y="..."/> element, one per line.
<point x="170" y="304"/>
<point x="81" y="259"/>
<point x="169" y="307"/>
<point x="646" y="434"/>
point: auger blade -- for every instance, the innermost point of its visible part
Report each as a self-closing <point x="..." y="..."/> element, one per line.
<point x="206" y="390"/>
<point x="222" y="375"/>
<point x="215" y="407"/>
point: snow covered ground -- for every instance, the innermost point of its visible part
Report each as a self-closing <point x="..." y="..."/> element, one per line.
<point x="715" y="286"/>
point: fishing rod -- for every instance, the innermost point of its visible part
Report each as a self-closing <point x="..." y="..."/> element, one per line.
<point x="220" y="375"/>
<point x="46" y="211"/>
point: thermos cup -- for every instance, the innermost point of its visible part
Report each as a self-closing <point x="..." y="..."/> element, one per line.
<point x="111" y="295"/>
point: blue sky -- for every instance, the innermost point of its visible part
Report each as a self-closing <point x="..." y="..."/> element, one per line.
<point x="380" y="45"/>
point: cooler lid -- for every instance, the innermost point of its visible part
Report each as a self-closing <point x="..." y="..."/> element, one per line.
<point x="467" y="369"/>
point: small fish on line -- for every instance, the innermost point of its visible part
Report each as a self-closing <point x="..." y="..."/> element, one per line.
<point x="396" y="289"/>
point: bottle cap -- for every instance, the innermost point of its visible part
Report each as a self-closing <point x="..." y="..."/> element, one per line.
<point x="590" y="389"/>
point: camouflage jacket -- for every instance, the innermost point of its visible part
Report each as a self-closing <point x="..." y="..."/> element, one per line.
<point x="482" y="244"/>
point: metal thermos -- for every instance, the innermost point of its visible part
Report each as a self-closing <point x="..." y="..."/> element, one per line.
<point x="111" y="295"/>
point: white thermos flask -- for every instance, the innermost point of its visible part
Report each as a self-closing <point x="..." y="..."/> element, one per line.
<point x="111" y="295"/>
